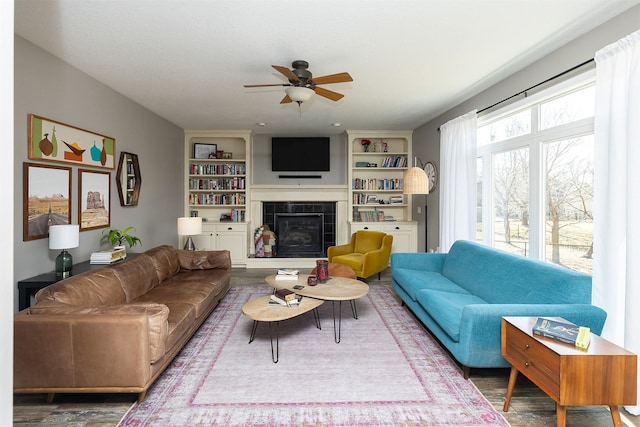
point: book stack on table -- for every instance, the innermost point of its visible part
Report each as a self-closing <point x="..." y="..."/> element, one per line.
<point x="108" y="256"/>
<point x="285" y="297"/>
<point x="287" y="274"/>
<point x="569" y="333"/>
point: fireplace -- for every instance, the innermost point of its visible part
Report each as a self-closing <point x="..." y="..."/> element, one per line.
<point x="299" y="234"/>
<point x="303" y="229"/>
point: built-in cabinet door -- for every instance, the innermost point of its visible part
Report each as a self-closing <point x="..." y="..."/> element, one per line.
<point x="235" y="241"/>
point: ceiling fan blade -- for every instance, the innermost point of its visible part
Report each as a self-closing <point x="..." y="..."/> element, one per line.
<point x="286" y="100"/>
<point x="329" y="94"/>
<point x="333" y="78"/>
<point x="286" y="72"/>
<point x="272" y="84"/>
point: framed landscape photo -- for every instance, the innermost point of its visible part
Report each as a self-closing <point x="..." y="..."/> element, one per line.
<point x="54" y="141"/>
<point x="46" y="199"/>
<point x="94" y="199"/>
<point x="204" y="151"/>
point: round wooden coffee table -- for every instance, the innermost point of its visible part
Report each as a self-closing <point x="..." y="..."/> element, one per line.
<point x="260" y="310"/>
<point x="336" y="289"/>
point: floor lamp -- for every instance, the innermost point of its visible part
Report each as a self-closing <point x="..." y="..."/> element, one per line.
<point x="416" y="182"/>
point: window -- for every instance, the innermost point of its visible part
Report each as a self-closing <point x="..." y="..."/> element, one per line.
<point x="535" y="175"/>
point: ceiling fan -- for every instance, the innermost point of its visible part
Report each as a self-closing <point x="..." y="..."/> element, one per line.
<point x="302" y="85"/>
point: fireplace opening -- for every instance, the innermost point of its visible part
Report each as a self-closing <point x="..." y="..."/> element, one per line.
<point x="300" y="235"/>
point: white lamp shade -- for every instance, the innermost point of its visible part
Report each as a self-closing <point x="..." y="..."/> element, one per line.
<point x="189" y="226"/>
<point x="416" y="181"/>
<point x="299" y="93"/>
<point x="65" y="236"/>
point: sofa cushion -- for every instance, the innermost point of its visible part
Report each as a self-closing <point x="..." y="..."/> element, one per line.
<point x="157" y="315"/>
<point x="92" y="288"/>
<point x="181" y="318"/>
<point x="411" y="281"/>
<point x="446" y="308"/>
<point x="137" y="276"/>
<point x="204" y="260"/>
<point x="500" y="277"/>
<point x="200" y="289"/>
<point x="164" y="260"/>
<point x="353" y="261"/>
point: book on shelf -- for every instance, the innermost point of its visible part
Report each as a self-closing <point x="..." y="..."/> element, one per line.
<point x="566" y="332"/>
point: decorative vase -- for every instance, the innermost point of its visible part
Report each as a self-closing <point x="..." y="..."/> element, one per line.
<point x="322" y="270"/>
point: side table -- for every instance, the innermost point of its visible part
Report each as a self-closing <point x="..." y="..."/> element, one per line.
<point x="30" y="286"/>
<point x="604" y="374"/>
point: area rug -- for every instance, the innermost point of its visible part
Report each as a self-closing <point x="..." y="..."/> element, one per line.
<point x="386" y="371"/>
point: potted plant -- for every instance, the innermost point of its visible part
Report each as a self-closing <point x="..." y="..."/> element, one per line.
<point x="120" y="237"/>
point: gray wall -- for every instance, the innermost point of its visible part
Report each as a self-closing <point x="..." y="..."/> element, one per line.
<point x="426" y="139"/>
<point x="46" y="86"/>
<point x="263" y="175"/>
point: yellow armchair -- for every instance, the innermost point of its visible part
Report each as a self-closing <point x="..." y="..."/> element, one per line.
<point x="367" y="253"/>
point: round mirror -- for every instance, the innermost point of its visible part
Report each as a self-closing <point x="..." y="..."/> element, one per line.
<point x="128" y="179"/>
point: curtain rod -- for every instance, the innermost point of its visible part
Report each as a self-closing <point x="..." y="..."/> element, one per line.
<point x="575" y="67"/>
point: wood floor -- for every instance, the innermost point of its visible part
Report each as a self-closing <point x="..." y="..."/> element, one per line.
<point x="529" y="407"/>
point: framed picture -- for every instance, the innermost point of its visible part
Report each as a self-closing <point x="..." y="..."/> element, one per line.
<point x="227" y="155"/>
<point x="94" y="203"/>
<point x="204" y="151"/>
<point x="54" y="141"/>
<point x="46" y="199"/>
<point x="219" y="154"/>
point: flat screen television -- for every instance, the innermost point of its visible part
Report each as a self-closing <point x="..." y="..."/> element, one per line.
<point x="300" y="154"/>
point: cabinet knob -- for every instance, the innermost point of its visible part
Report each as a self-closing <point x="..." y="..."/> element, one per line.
<point x="527" y="346"/>
<point x="229" y="228"/>
<point x="527" y="364"/>
<point x="397" y="228"/>
<point x="366" y="228"/>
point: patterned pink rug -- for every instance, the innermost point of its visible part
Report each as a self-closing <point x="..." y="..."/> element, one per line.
<point x="386" y="371"/>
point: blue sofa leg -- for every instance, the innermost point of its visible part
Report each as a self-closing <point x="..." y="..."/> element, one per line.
<point x="466" y="371"/>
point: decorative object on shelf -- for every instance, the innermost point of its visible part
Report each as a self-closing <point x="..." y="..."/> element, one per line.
<point x="227" y="155"/>
<point x="83" y="147"/>
<point x="432" y="173"/>
<point x="46" y="199"/>
<point x="416" y="181"/>
<point x="94" y="199"/>
<point x="128" y="179"/>
<point x="204" y="151"/>
<point x="189" y="226"/>
<point x="365" y="144"/>
<point x="385" y="146"/>
<point x="322" y="270"/>
<point x="118" y="237"/>
<point x="64" y="237"/>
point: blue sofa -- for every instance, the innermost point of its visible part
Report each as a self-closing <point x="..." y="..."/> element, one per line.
<point x="461" y="296"/>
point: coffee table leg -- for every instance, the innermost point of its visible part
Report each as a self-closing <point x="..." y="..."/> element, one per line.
<point x="316" y="316"/>
<point x="337" y="330"/>
<point x="253" y="331"/>
<point x="276" y="355"/>
<point x="354" y="310"/>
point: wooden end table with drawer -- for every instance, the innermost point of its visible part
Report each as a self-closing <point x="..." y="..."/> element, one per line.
<point x="604" y="374"/>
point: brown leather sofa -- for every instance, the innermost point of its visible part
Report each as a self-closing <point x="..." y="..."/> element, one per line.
<point x="115" y="329"/>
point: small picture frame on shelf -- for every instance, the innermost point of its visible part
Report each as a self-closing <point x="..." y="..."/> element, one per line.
<point x="227" y="155"/>
<point x="204" y="151"/>
<point x="219" y="154"/>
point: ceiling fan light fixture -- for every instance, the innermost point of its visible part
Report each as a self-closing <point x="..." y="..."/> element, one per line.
<point x="299" y="94"/>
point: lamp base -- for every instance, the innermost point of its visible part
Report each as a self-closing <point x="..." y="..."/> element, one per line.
<point x="64" y="264"/>
<point x="189" y="245"/>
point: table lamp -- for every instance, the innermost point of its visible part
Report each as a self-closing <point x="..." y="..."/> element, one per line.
<point x="188" y="226"/>
<point x="64" y="237"/>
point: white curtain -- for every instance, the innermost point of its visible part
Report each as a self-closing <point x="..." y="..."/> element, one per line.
<point x="458" y="180"/>
<point x="616" y="269"/>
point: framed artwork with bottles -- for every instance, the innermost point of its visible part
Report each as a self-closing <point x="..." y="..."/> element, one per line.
<point x="54" y="141"/>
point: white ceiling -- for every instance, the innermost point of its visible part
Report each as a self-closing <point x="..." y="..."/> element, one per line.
<point x="411" y="60"/>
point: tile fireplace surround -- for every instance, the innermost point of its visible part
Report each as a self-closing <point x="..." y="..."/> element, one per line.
<point x="302" y="198"/>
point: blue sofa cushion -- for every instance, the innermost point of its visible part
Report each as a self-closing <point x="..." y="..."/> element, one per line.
<point x="411" y="281"/>
<point x="500" y="277"/>
<point x="446" y="309"/>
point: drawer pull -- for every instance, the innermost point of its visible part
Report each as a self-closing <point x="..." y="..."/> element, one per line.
<point x="527" y="364"/>
<point x="366" y="228"/>
<point x="229" y="228"/>
<point x="397" y="228"/>
<point x="527" y="346"/>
